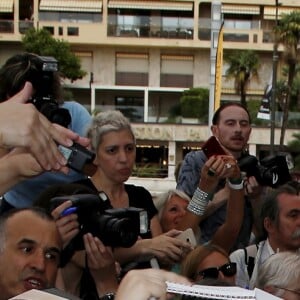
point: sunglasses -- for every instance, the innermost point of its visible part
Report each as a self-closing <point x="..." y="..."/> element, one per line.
<point x="228" y="270"/>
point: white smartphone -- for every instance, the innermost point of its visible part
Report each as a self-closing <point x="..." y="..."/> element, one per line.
<point x="188" y="236"/>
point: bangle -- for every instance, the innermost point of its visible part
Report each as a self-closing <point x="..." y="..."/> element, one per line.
<point x="199" y="202"/>
<point x="236" y="186"/>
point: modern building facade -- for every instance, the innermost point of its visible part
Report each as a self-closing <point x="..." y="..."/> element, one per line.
<point x="141" y="55"/>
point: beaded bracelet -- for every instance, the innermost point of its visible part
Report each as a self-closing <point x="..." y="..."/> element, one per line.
<point x="199" y="202"/>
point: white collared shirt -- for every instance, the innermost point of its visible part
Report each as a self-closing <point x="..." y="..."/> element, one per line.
<point x="242" y="278"/>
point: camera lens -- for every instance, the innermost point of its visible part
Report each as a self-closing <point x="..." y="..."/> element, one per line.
<point x="55" y="114"/>
<point x="117" y="232"/>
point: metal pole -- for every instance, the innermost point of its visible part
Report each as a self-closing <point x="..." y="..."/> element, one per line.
<point x="215" y="28"/>
<point x="274" y="83"/>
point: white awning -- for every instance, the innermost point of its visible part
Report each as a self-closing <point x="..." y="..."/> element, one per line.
<point x="270" y="11"/>
<point x="158" y="5"/>
<point x="6" y="6"/>
<point x="240" y="9"/>
<point x="71" y="5"/>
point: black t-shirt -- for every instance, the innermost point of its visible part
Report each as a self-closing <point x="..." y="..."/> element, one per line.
<point x="138" y="197"/>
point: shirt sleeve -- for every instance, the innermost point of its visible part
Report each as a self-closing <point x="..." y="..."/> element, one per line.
<point x="189" y="174"/>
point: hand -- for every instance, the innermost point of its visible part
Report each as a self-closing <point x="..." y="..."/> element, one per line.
<point x="147" y="284"/>
<point x="231" y="168"/>
<point x="167" y="249"/>
<point x="215" y="168"/>
<point x="26" y="165"/>
<point x="101" y="263"/>
<point x="98" y="255"/>
<point x="68" y="226"/>
<point x="252" y="188"/>
<point x="21" y="125"/>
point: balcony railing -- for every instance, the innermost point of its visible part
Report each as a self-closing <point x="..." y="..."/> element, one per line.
<point x="144" y="26"/>
<point x="7" y="26"/>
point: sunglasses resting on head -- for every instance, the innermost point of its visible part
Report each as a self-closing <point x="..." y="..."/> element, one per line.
<point x="228" y="270"/>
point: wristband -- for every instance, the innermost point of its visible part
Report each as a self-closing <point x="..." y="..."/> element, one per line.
<point x="235" y="186"/>
<point x="199" y="202"/>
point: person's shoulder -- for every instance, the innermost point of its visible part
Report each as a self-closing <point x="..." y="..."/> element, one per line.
<point x="197" y="155"/>
<point x="237" y="255"/>
<point x="81" y="118"/>
<point x="75" y="106"/>
<point x="194" y="160"/>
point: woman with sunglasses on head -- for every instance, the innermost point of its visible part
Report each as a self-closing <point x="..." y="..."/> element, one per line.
<point x="208" y="261"/>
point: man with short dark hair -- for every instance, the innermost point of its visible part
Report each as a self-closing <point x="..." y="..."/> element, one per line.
<point x="29" y="253"/>
<point x="231" y="125"/>
<point x="280" y="220"/>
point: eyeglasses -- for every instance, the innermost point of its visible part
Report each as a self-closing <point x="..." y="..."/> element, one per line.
<point x="289" y="290"/>
<point x="228" y="270"/>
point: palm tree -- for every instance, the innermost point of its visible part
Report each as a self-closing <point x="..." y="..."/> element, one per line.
<point x="243" y="65"/>
<point x="288" y="32"/>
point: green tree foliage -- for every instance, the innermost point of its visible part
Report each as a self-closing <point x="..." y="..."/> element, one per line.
<point x="193" y="104"/>
<point x="243" y="66"/>
<point x="288" y="33"/>
<point x="42" y="42"/>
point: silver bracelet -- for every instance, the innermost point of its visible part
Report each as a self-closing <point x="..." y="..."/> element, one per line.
<point x="235" y="186"/>
<point x="199" y="202"/>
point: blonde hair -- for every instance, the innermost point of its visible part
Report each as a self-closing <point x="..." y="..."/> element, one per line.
<point x="191" y="262"/>
<point x="163" y="199"/>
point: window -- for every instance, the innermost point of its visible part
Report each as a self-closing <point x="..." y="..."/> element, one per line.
<point x="177" y="70"/>
<point x="131" y="107"/>
<point x="132" y="69"/>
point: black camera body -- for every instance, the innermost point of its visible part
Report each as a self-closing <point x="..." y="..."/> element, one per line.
<point x="43" y="99"/>
<point x="79" y="158"/>
<point x="115" y="227"/>
<point x="271" y="171"/>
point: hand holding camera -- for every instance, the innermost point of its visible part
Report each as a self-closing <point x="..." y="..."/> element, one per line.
<point x="79" y="158"/>
<point x="271" y="171"/>
<point x="66" y="221"/>
<point x="119" y="227"/>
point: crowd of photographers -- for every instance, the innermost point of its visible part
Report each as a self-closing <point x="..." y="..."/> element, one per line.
<point x="64" y="168"/>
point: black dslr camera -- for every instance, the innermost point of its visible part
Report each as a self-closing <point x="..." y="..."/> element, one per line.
<point x="78" y="158"/>
<point x="271" y="171"/>
<point x="115" y="227"/>
<point x="43" y="99"/>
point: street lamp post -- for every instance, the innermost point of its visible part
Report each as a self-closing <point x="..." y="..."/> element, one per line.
<point x="274" y="83"/>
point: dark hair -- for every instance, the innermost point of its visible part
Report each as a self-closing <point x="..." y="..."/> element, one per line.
<point x="21" y="68"/>
<point x="269" y="207"/>
<point x="39" y="211"/>
<point x="60" y="189"/>
<point x="216" y="116"/>
<point x="4" y="217"/>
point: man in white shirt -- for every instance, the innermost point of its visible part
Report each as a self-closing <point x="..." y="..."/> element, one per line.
<point x="280" y="221"/>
